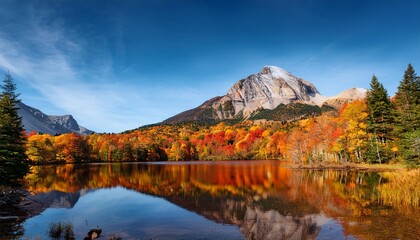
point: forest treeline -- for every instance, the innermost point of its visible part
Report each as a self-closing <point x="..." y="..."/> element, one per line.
<point x="377" y="129"/>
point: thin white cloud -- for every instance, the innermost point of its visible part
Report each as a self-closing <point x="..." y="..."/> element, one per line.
<point x="45" y="58"/>
<point x="51" y="61"/>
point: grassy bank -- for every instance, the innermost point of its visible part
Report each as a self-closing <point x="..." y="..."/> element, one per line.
<point x="402" y="188"/>
<point x="358" y="166"/>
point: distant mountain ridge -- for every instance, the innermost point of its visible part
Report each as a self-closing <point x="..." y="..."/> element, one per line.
<point x="346" y="96"/>
<point x="267" y="90"/>
<point x="35" y="120"/>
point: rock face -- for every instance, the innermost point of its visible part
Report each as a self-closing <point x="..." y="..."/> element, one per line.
<point x="267" y="89"/>
<point x="35" y="120"/>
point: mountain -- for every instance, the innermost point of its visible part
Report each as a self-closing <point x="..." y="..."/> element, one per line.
<point x="35" y="120"/>
<point x="346" y="96"/>
<point x="270" y="90"/>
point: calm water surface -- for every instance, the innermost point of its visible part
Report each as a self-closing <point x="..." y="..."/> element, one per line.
<point x="212" y="200"/>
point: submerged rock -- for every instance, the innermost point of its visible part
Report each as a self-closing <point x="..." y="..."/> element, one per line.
<point x="93" y="234"/>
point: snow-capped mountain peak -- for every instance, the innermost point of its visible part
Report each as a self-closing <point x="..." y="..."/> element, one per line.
<point x="268" y="89"/>
<point x="276" y="72"/>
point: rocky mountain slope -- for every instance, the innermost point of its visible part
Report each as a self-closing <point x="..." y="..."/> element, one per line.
<point x="346" y="96"/>
<point x="266" y="90"/>
<point x="35" y="120"/>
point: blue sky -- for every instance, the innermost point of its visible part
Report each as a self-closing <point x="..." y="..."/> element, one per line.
<point x="117" y="65"/>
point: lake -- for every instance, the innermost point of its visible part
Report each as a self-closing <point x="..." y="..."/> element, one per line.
<point x="210" y="200"/>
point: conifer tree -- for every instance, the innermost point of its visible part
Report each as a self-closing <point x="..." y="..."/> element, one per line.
<point x="407" y="102"/>
<point x="379" y="121"/>
<point x="13" y="160"/>
<point x="407" y="99"/>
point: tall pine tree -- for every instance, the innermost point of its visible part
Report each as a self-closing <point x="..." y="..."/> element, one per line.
<point x="379" y="121"/>
<point x="13" y="160"/>
<point x="407" y="102"/>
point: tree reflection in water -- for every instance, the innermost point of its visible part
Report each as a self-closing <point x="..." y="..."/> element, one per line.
<point x="262" y="198"/>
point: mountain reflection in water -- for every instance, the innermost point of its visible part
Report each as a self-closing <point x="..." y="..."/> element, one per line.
<point x="262" y="198"/>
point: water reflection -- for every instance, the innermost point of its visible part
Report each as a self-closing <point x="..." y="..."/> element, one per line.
<point x="263" y="199"/>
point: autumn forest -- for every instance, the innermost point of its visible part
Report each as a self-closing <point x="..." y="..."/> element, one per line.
<point x="378" y="129"/>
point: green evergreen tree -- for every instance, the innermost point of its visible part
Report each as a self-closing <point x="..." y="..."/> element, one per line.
<point x="380" y="122"/>
<point x="13" y="159"/>
<point x="407" y="116"/>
